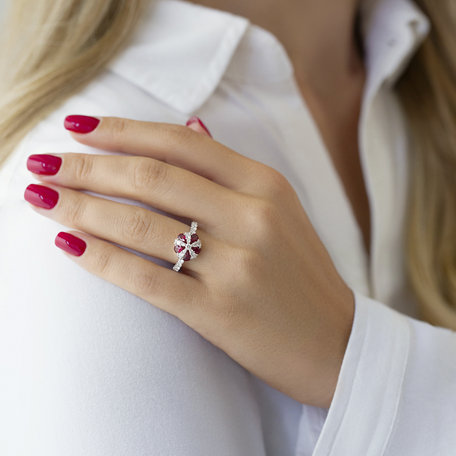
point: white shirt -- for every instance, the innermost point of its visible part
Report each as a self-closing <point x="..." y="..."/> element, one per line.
<point x="89" y="369"/>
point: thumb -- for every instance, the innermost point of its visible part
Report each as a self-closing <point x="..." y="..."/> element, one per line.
<point x="197" y="125"/>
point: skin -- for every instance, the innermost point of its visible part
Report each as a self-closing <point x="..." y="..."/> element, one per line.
<point x="283" y="313"/>
<point x="329" y="70"/>
<point x="287" y="325"/>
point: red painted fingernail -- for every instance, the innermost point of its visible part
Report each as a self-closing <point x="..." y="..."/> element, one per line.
<point x="43" y="164"/>
<point x="41" y="196"/>
<point x="70" y="244"/>
<point x="194" y="119"/>
<point x="81" y="124"/>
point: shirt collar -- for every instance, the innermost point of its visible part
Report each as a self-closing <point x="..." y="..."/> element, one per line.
<point x="392" y="31"/>
<point x="180" y="50"/>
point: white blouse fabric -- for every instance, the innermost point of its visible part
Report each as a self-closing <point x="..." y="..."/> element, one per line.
<point x="87" y="368"/>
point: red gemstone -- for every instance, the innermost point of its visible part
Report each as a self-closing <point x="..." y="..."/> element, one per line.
<point x="178" y="248"/>
<point x="186" y="256"/>
<point x="196" y="249"/>
<point x="194" y="238"/>
<point x="182" y="237"/>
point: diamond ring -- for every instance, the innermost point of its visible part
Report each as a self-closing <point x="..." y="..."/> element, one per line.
<point x="187" y="246"/>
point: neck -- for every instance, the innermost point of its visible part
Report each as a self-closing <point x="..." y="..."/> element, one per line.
<point x="319" y="37"/>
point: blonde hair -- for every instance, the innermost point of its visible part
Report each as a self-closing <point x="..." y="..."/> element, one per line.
<point x="428" y="93"/>
<point x="50" y="50"/>
<point x="53" y="48"/>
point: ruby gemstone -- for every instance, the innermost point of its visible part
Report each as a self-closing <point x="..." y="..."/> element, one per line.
<point x="178" y="248"/>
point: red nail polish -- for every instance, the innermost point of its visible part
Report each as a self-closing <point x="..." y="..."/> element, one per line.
<point x="43" y="164"/>
<point x="70" y="244"/>
<point x="41" y="196"/>
<point x="81" y="124"/>
<point x="194" y="119"/>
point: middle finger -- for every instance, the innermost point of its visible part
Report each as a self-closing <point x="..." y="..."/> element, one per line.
<point x="153" y="182"/>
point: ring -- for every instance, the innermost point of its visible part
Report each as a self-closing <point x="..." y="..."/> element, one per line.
<point x="187" y="246"/>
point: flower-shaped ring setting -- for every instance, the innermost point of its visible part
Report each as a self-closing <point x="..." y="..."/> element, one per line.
<point x="187" y="246"/>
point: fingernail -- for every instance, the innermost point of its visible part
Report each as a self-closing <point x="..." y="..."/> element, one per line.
<point x="194" y="119"/>
<point x="70" y="244"/>
<point x="81" y="124"/>
<point x="43" y="164"/>
<point x="41" y="196"/>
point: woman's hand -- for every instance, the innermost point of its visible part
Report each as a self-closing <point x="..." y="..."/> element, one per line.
<point x="263" y="289"/>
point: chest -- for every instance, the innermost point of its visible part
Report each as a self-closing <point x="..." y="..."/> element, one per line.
<point x="346" y="161"/>
<point x="338" y="125"/>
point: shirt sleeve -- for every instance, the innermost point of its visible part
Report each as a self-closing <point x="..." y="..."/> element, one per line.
<point x="396" y="391"/>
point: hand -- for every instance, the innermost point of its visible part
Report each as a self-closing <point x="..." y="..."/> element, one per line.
<point x="263" y="289"/>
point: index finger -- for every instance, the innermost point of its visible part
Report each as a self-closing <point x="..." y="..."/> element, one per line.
<point x="171" y="143"/>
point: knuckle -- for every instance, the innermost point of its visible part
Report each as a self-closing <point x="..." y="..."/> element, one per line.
<point x="180" y="134"/>
<point x="275" y="183"/>
<point x="118" y="127"/>
<point x="241" y="263"/>
<point x="144" y="283"/>
<point x="137" y="227"/>
<point x="224" y="308"/>
<point x="102" y="262"/>
<point x="75" y="210"/>
<point x="148" y="173"/>
<point x="262" y="216"/>
<point x="82" y="167"/>
<point x="246" y="262"/>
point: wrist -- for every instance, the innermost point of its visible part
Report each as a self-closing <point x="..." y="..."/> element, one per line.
<point x="330" y="351"/>
<point x="340" y="343"/>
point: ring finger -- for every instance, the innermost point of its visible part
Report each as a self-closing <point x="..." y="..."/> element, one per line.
<point x="128" y="225"/>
